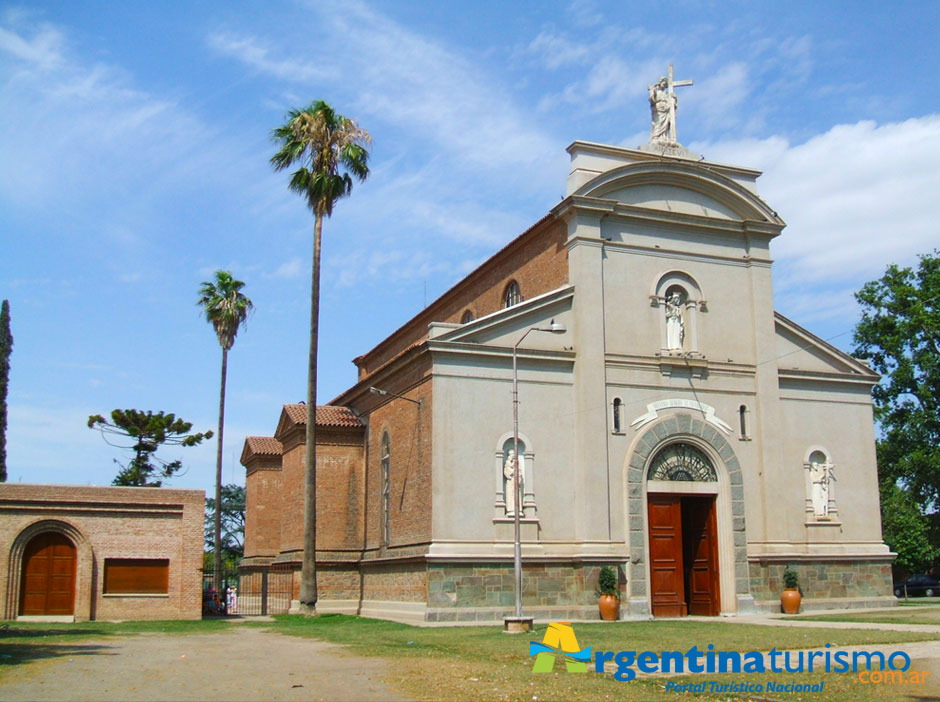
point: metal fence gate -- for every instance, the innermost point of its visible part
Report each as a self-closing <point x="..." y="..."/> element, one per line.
<point x="259" y="591"/>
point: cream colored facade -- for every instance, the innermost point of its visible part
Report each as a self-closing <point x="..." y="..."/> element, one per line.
<point x="783" y="419"/>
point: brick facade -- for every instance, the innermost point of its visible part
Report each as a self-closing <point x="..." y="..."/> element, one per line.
<point x="104" y="523"/>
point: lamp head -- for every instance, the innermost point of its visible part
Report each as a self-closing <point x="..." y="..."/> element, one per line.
<point x="555" y="327"/>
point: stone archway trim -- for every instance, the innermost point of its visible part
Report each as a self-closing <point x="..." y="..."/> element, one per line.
<point x="675" y="427"/>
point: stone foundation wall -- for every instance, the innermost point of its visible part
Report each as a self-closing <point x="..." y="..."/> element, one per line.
<point x="824" y="579"/>
<point x="486" y="592"/>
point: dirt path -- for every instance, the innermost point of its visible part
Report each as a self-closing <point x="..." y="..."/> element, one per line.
<point x="241" y="664"/>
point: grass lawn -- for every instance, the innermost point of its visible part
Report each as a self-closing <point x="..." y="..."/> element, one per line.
<point x="470" y="663"/>
<point x="919" y="613"/>
<point x="474" y="663"/>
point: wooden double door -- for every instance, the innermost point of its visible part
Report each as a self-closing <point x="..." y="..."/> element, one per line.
<point x="683" y="555"/>
<point x="48" y="584"/>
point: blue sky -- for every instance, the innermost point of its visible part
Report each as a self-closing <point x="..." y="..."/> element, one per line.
<point x="134" y="146"/>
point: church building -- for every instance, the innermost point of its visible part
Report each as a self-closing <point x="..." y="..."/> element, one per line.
<point x="671" y="423"/>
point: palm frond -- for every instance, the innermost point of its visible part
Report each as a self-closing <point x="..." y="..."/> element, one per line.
<point x="328" y="147"/>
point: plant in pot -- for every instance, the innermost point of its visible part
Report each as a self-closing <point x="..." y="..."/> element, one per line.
<point x="791" y="596"/>
<point x="609" y="601"/>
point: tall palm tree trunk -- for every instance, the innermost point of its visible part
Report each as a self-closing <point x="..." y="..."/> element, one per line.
<point x="217" y="561"/>
<point x="308" y="573"/>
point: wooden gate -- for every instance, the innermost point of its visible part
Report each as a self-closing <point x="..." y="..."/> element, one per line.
<point x="48" y="584"/>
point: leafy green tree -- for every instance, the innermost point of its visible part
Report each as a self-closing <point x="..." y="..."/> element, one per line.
<point x="232" y="518"/>
<point x="906" y="530"/>
<point x="899" y="333"/>
<point x="147" y="432"/>
<point x="6" y="349"/>
<point x="330" y="150"/>
<point x="226" y="309"/>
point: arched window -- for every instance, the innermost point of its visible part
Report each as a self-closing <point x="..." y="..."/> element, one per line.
<point x="616" y="418"/>
<point x="682" y="462"/>
<point x="467" y="317"/>
<point x="742" y="421"/>
<point x="513" y="295"/>
<point x="385" y="453"/>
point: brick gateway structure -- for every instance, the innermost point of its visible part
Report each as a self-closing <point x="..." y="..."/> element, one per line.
<point x="680" y="429"/>
<point x="100" y="552"/>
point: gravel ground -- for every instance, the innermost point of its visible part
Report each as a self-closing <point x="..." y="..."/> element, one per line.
<point x="241" y="664"/>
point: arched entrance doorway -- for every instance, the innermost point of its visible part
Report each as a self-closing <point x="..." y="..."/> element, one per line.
<point x="682" y="491"/>
<point x="48" y="577"/>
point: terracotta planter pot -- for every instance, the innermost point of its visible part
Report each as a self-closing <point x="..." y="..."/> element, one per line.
<point x="790" y="600"/>
<point x="610" y="608"/>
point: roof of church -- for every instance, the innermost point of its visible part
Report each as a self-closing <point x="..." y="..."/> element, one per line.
<point x="265" y="445"/>
<point x="327" y="415"/>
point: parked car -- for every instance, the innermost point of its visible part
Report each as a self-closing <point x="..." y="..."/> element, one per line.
<point x="922" y="584"/>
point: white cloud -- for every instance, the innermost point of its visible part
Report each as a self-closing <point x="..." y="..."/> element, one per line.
<point x="407" y="80"/>
<point x="43" y="50"/>
<point x="73" y="131"/>
<point x="289" y="269"/>
<point x="855" y="198"/>
<point x="250" y="52"/>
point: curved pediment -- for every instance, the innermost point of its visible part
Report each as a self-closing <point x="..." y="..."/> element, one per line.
<point x="692" y="189"/>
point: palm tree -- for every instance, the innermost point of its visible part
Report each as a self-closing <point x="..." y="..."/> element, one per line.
<point x="226" y="309"/>
<point x="329" y="149"/>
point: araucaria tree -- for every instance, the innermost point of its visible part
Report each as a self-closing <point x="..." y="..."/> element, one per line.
<point x="233" y="522"/>
<point x="143" y="434"/>
<point x="330" y="151"/>
<point x="6" y="348"/>
<point x="226" y="309"/>
<point x="899" y="333"/>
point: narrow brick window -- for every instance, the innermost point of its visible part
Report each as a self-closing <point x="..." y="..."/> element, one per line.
<point x="386" y="487"/>
<point x="136" y="576"/>
<point x="513" y="295"/>
<point x="467" y="317"/>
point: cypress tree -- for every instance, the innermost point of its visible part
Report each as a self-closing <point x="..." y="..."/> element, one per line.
<point x="6" y="348"/>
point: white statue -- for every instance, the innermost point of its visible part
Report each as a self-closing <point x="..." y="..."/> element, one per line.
<point x="675" y="329"/>
<point x="663" y="105"/>
<point x="820" y="474"/>
<point x="509" y="470"/>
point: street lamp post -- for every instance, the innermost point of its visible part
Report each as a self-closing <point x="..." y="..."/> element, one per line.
<point x="518" y="623"/>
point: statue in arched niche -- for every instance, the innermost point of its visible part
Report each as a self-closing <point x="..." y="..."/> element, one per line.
<point x="675" y="328"/>
<point x="509" y="471"/>
<point x="820" y="471"/>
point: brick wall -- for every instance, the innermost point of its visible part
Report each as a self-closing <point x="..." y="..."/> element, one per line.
<point x="340" y="455"/>
<point x="409" y="431"/>
<point x="263" y="495"/>
<point x="103" y="523"/>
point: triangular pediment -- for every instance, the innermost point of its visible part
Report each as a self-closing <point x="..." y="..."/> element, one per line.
<point x="802" y="351"/>
<point x="504" y="327"/>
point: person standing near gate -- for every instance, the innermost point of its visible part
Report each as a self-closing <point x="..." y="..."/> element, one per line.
<point x="231" y="599"/>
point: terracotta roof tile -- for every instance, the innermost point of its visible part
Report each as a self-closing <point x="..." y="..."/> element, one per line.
<point x="327" y="416"/>
<point x="265" y="445"/>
